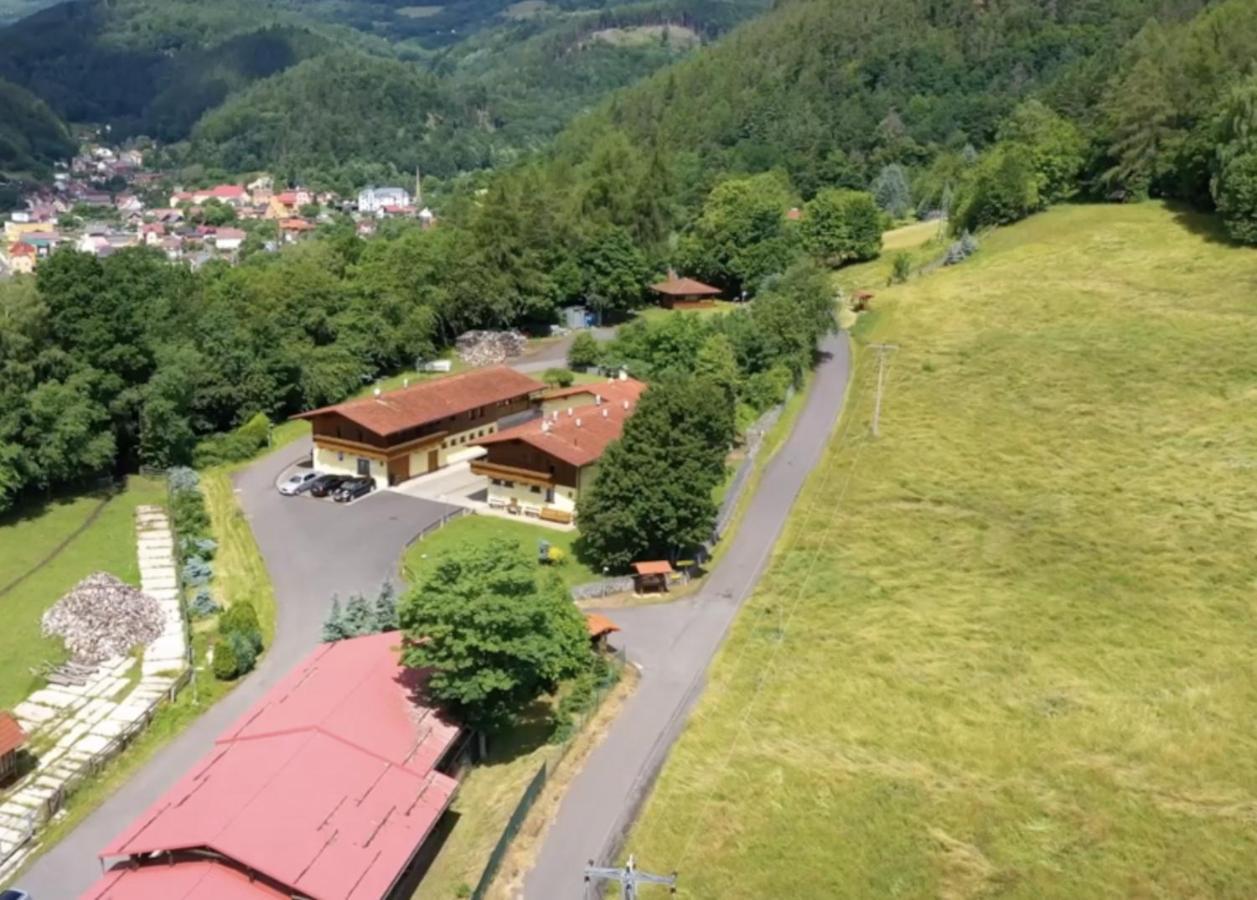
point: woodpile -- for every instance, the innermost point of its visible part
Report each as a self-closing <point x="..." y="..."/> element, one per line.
<point x="103" y="617"/>
<point x="489" y="348"/>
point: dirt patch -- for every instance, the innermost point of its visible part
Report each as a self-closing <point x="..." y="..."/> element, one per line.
<point x="677" y="36"/>
<point x="419" y="12"/>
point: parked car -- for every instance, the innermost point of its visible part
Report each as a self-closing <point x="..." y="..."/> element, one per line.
<point x="353" y="489"/>
<point x="297" y="483"/>
<point x="326" y="484"/>
<point x="14" y="894"/>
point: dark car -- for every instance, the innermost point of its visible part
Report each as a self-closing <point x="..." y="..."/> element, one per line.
<point x="14" y="894"/>
<point x="326" y="484"/>
<point x="353" y="489"/>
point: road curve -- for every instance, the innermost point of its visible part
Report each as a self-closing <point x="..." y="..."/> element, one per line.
<point x="674" y="644"/>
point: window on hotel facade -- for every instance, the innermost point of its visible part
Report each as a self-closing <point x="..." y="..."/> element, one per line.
<point x="364" y="466"/>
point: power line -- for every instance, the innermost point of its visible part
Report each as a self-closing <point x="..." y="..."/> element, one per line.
<point x="629" y="878"/>
<point x="883" y="353"/>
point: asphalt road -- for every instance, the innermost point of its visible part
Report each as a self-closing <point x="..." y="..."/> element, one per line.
<point x="674" y="644"/>
<point x="312" y="549"/>
<point x="554" y="355"/>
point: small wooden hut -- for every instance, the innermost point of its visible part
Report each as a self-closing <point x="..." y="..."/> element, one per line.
<point x="651" y="576"/>
<point x="685" y="293"/>
<point x="600" y="628"/>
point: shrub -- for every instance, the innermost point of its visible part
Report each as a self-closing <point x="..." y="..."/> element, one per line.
<point x="203" y="605"/>
<point x="246" y="653"/>
<point x="234" y="446"/>
<point x="225" y="663"/>
<point x="585" y="351"/>
<point x="558" y="377"/>
<point x="182" y="479"/>
<point x="241" y="618"/>
<point x="902" y="268"/>
<point x="191" y="519"/>
<point x="556" y="556"/>
<point x="204" y="547"/>
<point x="197" y="572"/>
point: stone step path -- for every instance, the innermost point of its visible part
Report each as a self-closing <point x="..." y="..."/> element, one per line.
<point x="72" y="727"/>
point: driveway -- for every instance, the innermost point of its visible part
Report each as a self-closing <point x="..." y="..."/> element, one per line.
<point x="312" y="549"/>
<point x="553" y="355"/>
<point x="674" y="644"/>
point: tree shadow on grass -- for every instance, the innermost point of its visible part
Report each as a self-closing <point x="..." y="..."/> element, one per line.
<point x="530" y="731"/>
<point x="35" y="508"/>
<point x="1206" y="225"/>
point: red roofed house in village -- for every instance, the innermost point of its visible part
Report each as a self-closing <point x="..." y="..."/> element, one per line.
<point x="22" y="257"/>
<point x="287" y="204"/>
<point x="540" y="467"/>
<point x="326" y="789"/>
<point x="684" y="293"/>
<point x="397" y="435"/>
<point x="294" y="228"/>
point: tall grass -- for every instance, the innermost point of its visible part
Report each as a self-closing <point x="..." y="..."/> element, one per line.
<point x="1006" y="649"/>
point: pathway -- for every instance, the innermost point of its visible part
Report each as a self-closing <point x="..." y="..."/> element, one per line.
<point x="674" y="644"/>
<point x="77" y="726"/>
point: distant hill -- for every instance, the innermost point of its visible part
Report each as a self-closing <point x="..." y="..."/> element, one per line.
<point x="31" y="135"/>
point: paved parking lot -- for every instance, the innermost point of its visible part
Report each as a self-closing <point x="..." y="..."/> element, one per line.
<point x="314" y="548"/>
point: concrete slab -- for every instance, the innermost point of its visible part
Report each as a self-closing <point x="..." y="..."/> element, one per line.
<point x="55" y="698"/>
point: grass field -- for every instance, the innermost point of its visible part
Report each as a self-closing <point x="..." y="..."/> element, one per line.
<point x="239" y="572"/>
<point x="423" y="555"/>
<point x="1006" y="648"/>
<point x="34" y="548"/>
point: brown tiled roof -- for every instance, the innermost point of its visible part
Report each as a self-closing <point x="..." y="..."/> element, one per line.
<point x="612" y="390"/>
<point x="684" y="287"/>
<point x="431" y="401"/>
<point x="597" y="625"/>
<point x="653" y="567"/>
<point x="12" y="737"/>
<point x="580" y="437"/>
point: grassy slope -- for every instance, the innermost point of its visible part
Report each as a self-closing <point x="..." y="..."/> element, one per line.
<point x="108" y="544"/>
<point x="1006" y="648"/>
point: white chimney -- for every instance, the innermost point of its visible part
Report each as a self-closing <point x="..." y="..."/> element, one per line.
<point x="376" y="392"/>
<point x="405" y="382"/>
<point x="597" y="399"/>
<point x="623" y="375"/>
<point x="604" y="413"/>
<point x="578" y="423"/>
<point x="569" y="410"/>
<point x="626" y="404"/>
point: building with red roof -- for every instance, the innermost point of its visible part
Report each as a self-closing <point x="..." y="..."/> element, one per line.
<point x="327" y="788"/>
<point x="12" y="739"/>
<point x="22" y="258"/>
<point x="396" y="435"/>
<point x="539" y="468"/>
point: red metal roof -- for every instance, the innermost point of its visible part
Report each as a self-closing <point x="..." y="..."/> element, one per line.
<point x="653" y="567"/>
<point x="597" y="624"/>
<point x="12" y="737"/>
<point x="431" y="401"/>
<point x="201" y="879"/>
<point x="684" y="287"/>
<point x="578" y="437"/>
<point x="325" y="786"/>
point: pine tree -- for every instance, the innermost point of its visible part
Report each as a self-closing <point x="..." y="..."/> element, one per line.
<point x="334" y="624"/>
<point x="386" y="608"/>
<point x="359" y="619"/>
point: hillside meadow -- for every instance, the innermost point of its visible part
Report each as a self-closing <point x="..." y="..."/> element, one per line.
<point x="1005" y="649"/>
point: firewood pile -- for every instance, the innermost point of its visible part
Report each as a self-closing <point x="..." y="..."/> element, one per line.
<point x="489" y="348"/>
<point x="103" y="617"/>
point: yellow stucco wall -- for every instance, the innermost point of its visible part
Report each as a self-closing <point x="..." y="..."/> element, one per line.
<point x="346" y="463"/>
<point x="523" y="495"/>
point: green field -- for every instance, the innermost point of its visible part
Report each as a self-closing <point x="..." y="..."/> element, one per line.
<point x="423" y="555"/>
<point x="39" y="541"/>
<point x="1006" y="648"/>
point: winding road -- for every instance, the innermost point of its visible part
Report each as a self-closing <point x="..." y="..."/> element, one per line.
<point x="313" y="549"/>
<point x="673" y="644"/>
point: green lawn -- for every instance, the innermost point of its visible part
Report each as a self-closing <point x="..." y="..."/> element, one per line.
<point x="424" y="554"/>
<point x="1006" y="649"/>
<point x="658" y="312"/>
<point x="30" y="536"/>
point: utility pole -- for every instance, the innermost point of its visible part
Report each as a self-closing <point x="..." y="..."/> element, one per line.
<point x="629" y="878"/>
<point x="883" y="353"/>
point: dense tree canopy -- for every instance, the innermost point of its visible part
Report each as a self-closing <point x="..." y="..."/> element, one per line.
<point x="496" y="631"/>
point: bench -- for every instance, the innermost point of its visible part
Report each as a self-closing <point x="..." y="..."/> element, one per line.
<point x="550" y="514"/>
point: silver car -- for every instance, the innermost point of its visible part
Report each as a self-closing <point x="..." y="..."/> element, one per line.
<point x="297" y="483"/>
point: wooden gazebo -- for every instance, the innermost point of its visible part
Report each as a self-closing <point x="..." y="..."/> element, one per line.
<point x="651" y="576"/>
<point x="684" y="293"/>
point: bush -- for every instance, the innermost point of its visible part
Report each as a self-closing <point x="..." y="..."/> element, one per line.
<point x="182" y="479"/>
<point x="241" y="619"/>
<point x="234" y="446"/>
<point x="204" y="547"/>
<point x="203" y="605"/>
<point x="225" y="663"/>
<point x="191" y="519"/>
<point x="558" y="377"/>
<point x="764" y="390"/>
<point x="585" y="352"/>
<point x="245" y="652"/>
<point x="197" y="572"/>
<point x="555" y="556"/>
<point x="902" y="268"/>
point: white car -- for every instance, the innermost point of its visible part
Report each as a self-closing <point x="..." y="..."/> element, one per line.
<point x="298" y="483"/>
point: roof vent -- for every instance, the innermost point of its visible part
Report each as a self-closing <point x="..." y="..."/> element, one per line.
<point x="597" y="399"/>
<point x="569" y="410"/>
<point x="623" y="375"/>
<point x="626" y="404"/>
<point x="578" y="423"/>
<point x="604" y="413"/>
<point x="376" y="392"/>
<point x="405" y="382"/>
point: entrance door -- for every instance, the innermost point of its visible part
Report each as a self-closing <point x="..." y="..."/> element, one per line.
<point x="364" y="466"/>
<point x="434" y="460"/>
